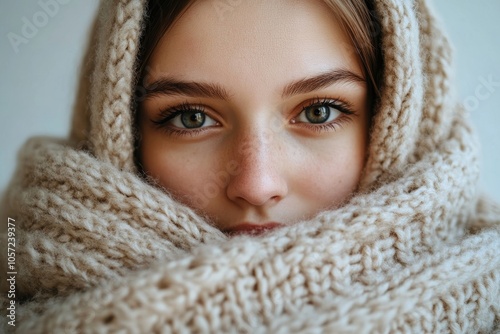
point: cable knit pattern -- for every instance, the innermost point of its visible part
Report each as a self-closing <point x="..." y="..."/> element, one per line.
<point x="415" y="251"/>
<point x="396" y="122"/>
<point x="113" y="84"/>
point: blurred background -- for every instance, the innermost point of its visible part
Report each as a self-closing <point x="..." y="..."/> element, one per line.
<point x="42" y="47"/>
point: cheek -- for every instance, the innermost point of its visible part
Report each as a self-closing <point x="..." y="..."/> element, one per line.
<point x="332" y="185"/>
<point x="193" y="177"/>
<point x="166" y="168"/>
<point x="179" y="170"/>
<point x="332" y="174"/>
<point x="188" y="179"/>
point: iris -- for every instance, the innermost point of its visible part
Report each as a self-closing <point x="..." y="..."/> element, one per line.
<point x="317" y="114"/>
<point x="193" y="119"/>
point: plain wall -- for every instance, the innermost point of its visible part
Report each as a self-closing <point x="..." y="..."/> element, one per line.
<point x="38" y="82"/>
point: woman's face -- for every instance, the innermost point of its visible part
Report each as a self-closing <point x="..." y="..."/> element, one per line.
<point x="255" y="113"/>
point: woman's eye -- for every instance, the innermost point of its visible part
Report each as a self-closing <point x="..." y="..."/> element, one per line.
<point x="318" y="113"/>
<point x="192" y="119"/>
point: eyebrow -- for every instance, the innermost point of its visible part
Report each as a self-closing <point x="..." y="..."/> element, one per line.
<point x="320" y="81"/>
<point x="171" y="86"/>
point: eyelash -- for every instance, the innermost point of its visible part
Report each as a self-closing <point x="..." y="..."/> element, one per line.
<point x="167" y="115"/>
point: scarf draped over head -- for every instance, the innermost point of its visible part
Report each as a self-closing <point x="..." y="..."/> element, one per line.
<point x="101" y="250"/>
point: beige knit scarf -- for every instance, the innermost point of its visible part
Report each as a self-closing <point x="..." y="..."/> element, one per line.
<point x="416" y="251"/>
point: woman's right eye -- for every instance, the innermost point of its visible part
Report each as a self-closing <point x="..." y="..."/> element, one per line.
<point x="185" y="118"/>
<point x="192" y="119"/>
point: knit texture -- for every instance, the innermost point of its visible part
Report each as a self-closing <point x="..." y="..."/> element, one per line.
<point x="415" y="251"/>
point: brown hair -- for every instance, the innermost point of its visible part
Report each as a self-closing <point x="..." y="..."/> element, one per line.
<point x="160" y="15"/>
<point x="359" y="21"/>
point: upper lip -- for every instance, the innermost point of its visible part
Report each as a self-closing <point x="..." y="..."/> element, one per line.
<point x="252" y="228"/>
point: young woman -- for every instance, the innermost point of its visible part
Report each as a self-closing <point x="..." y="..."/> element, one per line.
<point x="272" y="166"/>
<point x="252" y="144"/>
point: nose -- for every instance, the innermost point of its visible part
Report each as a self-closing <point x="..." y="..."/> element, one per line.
<point x="259" y="180"/>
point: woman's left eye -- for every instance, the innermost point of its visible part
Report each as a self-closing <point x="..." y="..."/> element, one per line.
<point x="323" y="115"/>
<point x="318" y="114"/>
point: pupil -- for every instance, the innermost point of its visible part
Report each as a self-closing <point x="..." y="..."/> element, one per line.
<point x="193" y="119"/>
<point x="318" y="114"/>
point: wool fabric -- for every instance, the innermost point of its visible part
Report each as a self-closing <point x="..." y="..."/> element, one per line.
<point x="99" y="249"/>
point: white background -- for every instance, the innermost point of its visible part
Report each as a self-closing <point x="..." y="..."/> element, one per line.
<point x="38" y="83"/>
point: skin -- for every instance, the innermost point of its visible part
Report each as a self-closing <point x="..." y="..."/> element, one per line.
<point x="257" y="158"/>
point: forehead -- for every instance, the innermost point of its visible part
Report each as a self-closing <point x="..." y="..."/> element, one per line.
<point x="258" y="41"/>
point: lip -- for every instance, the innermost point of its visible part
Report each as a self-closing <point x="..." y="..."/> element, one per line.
<point x="252" y="229"/>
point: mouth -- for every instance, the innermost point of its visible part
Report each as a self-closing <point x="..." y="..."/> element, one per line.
<point x="252" y="229"/>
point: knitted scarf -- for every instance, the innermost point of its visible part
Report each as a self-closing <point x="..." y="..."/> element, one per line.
<point x="99" y="249"/>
